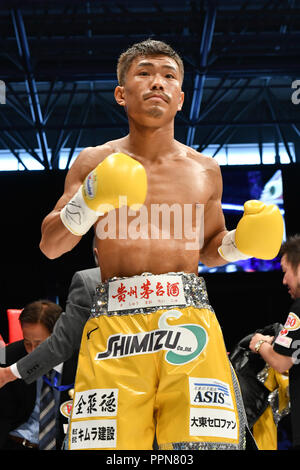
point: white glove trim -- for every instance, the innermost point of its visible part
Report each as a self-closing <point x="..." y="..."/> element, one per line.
<point x="76" y="216"/>
<point x="228" y="249"/>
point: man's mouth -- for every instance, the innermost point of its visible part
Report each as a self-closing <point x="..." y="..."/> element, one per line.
<point x="157" y="96"/>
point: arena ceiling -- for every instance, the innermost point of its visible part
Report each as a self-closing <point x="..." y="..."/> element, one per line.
<point x="58" y="62"/>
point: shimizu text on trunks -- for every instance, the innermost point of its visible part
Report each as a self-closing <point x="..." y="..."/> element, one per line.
<point x="159" y="221"/>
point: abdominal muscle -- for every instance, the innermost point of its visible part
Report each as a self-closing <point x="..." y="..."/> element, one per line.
<point x="130" y="245"/>
<point x="125" y="258"/>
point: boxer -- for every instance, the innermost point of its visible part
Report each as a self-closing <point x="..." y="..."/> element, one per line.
<point x="152" y="354"/>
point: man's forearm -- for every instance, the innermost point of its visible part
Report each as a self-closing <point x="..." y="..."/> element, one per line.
<point x="56" y="239"/>
<point x="277" y="361"/>
<point x="209" y="254"/>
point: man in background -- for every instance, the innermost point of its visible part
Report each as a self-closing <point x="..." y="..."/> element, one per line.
<point x="283" y="353"/>
<point x="66" y="336"/>
<point x="34" y="417"/>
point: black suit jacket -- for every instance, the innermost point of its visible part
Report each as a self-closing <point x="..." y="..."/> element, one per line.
<point x="17" y="399"/>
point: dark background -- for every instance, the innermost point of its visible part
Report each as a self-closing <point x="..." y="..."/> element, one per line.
<point x="242" y="301"/>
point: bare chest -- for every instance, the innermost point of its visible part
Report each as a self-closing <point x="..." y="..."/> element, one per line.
<point x="178" y="183"/>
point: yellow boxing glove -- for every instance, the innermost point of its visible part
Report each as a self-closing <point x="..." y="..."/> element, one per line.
<point x="258" y="234"/>
<point x="117" y="178"/>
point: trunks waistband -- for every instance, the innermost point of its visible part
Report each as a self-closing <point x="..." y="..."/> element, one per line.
<point x="147" y="293"/>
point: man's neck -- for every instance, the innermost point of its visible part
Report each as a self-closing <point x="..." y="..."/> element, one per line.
<point x="151" y="143"/>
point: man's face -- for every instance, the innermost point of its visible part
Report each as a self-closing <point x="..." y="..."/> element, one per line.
<point x="152" y="91"/>
<point x="291" y="279"/>
<point x="34" y="334"/>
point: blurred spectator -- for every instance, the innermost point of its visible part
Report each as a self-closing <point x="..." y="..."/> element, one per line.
<point x="283" y="353"/>
<point x="25" y="424"/>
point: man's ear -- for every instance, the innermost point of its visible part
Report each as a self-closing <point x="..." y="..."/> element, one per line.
<point x="181" y="101"/>
<point x="119" y="95"/>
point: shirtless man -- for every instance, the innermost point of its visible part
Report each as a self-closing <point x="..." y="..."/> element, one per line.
<point x="152" y="353"/>
<point x="152" y="96"/>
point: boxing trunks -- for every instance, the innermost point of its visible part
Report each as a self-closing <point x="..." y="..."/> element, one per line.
<point x="153" y="360"/>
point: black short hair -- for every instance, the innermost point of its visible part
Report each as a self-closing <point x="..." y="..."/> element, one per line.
<point x="41" y="311"/>
<point x="291" y="249"/>
<point x="149" y="47"/>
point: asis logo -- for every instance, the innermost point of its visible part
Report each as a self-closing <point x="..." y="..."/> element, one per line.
<point x="212" y="392"/>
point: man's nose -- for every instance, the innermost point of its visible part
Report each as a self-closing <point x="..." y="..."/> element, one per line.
<point x="157" y="83"/>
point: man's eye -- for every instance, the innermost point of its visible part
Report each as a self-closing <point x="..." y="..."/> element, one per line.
<point x="169" y="75"/>
<point x="143" y="73"/>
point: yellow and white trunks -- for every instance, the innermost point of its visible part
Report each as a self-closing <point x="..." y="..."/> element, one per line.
<point x="153" y="361"/>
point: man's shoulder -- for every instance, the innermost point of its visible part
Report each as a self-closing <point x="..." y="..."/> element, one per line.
<point x="91" y="273"/>
<point x="87" y="278"/>
<point x="204" y="160"/>
<point x="83" y="285"/>
<point x="90" y="157"/>
<point x="102" y="150"/>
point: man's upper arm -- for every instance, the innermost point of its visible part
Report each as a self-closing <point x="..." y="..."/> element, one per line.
<point x="86" y="161"/>
<point x="75" y="177"/>
<point x="214" y="220"/>
<point x="56" y="238"/>
<point x="287" y="342"/>
<point x="284" y="354"/>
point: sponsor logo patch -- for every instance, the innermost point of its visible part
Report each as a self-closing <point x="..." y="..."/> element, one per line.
<point x="90" y="185"/>
<point x="66" y="408"/>
<point x="93" y="434"/>
<point x="292" y="323"/>
<point x="210" y="392"/>
<point x="283" y="332"/>
<point x="212" y="422"/>
<point x="143" y="291"/>
<point x="283" y="341"/>
<point x="183" y="343"/>
<point x="96" y="403"/>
